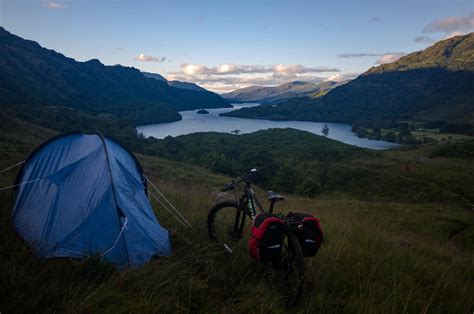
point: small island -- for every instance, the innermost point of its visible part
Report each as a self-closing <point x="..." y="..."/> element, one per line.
<point x="202" y="111"/>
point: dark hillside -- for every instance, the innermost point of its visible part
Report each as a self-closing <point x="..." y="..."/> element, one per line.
<point x="434" y="84"/>
<point x="33" y="76"/>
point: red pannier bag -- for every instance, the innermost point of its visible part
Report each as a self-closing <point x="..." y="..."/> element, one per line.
<point x="266" y="238"/>
<point x="309" y="233"/>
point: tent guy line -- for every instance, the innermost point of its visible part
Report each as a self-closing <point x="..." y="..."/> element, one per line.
<point x="20" y="184"/>
<point x="170" y="211"/>
<point x="13" y="166"/>
<point x="167" y="201"/>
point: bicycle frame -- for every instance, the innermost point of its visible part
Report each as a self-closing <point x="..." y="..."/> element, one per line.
<point x="248" y="206"/>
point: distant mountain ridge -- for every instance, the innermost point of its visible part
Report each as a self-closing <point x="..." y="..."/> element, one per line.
<point x="177" y="84"/>
<point x="32" y="76"/>
<point x="434" y="84"/>
<point x="263" y="94"/>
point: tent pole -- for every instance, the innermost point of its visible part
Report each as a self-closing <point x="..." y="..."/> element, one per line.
<point x="119" y="211"/>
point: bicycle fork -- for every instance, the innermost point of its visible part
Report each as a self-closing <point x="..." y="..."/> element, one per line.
<point x="239" y="224"/>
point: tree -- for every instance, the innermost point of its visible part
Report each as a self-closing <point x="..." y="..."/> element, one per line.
<point x="285" y="178"/>
<point x="323" y="172"/>
<point x="309" y="187"/>
<point x="325" y="130"/>
<point x="391" y="137"/>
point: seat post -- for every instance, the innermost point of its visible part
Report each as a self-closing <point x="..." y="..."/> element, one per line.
<point x="272" y="204"/>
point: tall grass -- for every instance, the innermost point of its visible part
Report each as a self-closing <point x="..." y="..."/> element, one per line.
<point x="378" y="257"/>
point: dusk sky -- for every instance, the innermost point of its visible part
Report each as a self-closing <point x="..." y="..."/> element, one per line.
<point x="224" y="45"/>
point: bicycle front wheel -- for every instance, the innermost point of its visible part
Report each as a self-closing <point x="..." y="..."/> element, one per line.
<point x="226" y="224"/>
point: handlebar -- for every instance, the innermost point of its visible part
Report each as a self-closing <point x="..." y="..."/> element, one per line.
<point x="247" y="178"/>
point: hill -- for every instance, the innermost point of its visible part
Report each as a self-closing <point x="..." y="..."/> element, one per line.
<point x="177" y="84"/>
<point x="300" y="162"/>
<point x="263" y="94"/>
<point x="32" y="76"/>
<point x="434" y="84"/>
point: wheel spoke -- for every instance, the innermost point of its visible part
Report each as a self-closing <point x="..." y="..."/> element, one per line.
<point x="221" y="226"/>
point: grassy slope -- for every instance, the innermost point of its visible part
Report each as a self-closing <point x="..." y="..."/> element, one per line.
<point x="378" y="256"/>
<point x="404" y="175"/>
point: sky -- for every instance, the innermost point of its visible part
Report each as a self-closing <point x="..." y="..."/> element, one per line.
<point x="223" y="45"/>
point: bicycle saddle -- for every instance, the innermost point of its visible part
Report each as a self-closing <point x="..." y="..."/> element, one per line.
<point x="273" y="197"/>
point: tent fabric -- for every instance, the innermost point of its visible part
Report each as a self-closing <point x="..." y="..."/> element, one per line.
<point x="89" y="186"/>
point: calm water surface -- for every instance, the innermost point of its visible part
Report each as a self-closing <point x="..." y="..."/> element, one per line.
<point x="212" y="122"/>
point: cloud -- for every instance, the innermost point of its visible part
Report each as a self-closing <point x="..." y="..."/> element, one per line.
<point x="388" y="58"/>
<point x="450" y="25"/>
<point x="362" y="55"/>
<point x="358" y="55"/>
<point x="383" y="57"/>
<point x="55" y="5"/>
<point x="375" y="19"/>
<point x="453" y="34"/>
<point x="423" y="39"/>
<point x="228" y="83"/>
<point x="147" y="58"/>
<point x="228" y="76"/>
<point x="235" y="69"/>
<point x="200" y="19"/>
<point x="339" y="77"/>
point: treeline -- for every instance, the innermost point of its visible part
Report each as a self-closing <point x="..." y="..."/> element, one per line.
<point x="303" y="163"/>
<point x="464" y="149"/>
<point x="291" y="161"/>
<point x="401" y="132"/>
<point x="452" y="127"/>
<point x="61" y="119"/>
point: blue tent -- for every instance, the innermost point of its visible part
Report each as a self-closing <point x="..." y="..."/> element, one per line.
<point x="81" y="195"/>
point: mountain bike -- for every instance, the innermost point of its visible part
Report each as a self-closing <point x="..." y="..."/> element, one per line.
<point x="226" y="224"/>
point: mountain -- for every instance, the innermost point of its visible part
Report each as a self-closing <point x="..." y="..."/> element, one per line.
<point x="434" y="84"/>
<point x="264" y="94"/>
<point x="177" y="84"/>
<point x="35" y="77"/>
<point x="155" y="76"/>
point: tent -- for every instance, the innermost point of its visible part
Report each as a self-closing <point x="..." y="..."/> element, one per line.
<point x="85" y="195"/>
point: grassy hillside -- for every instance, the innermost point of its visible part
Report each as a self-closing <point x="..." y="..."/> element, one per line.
<point x="455" y="53"/>
<point x="307" y="164"/>
<point x="434" y="84"/>
<point x="379" y="256"/>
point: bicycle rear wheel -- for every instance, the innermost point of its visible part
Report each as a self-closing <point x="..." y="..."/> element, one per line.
<point x="288" y="275"/>
<point x="226" y="225"/>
